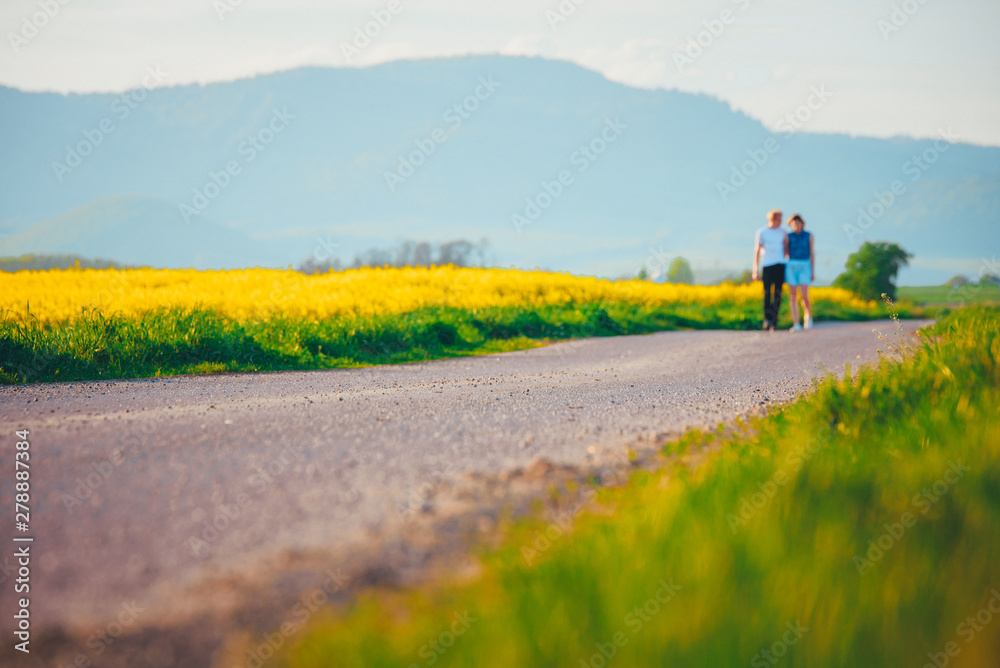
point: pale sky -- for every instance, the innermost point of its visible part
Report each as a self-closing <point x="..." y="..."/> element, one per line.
<point x="929" y="64"/>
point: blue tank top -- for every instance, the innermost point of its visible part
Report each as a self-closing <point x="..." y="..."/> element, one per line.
<point x="798" y="245"/>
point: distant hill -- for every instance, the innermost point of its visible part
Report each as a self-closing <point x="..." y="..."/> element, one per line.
<point x="335" y="161"/>
<point x="137" y="231"/>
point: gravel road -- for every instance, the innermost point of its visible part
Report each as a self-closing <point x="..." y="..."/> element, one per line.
<point x="173" y="494"/>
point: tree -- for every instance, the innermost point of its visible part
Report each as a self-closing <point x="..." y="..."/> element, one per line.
<point x="956" y="282"/>
<point x="680" y="272"/>
<point x="989" y="279"/>
<point x="743" y="278"/>
<point x="871" y="270"/>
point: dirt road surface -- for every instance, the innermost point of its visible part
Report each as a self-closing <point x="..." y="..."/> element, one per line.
<point x="164" y="510"/>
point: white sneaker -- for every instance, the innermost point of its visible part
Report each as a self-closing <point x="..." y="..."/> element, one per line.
<point x="796" y="328"/>
<point x="809" y="322"/>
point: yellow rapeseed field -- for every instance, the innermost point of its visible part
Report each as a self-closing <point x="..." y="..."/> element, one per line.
<point x="249" y="294"/>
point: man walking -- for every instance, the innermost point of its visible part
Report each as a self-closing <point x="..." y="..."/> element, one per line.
<point x="774" y="242"/>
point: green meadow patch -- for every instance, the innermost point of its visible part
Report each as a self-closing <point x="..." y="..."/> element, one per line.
<point x="859" y="526"/>
<point x="946" y="295"/>
<point x="173" y="341"/>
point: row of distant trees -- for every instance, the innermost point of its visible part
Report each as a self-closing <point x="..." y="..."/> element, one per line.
<point x="460" y="253"/>
<point x="45" y="262"/>
<point x="960" y="281"/>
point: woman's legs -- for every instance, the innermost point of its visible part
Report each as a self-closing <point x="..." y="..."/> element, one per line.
<point x="806" y="304"/>
<point x="794" y="291"/>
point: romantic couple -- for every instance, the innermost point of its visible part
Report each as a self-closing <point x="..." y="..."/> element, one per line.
<point x="788" y="256"/>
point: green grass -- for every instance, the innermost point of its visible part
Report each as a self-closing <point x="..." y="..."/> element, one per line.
<point x="945" y="295"/>
<point x="774" y="529"/>
<point x="170" y="342"/>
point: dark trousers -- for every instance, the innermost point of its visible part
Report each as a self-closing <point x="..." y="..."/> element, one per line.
<point x="774" y="279"/>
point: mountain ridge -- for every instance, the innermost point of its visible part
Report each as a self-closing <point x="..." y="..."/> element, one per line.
<point x="653" y="192"/>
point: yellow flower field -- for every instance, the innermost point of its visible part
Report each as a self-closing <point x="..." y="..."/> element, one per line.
<point x="251" y="294"/>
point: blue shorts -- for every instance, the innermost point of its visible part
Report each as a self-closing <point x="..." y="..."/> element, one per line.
<point x="798" y="272"/>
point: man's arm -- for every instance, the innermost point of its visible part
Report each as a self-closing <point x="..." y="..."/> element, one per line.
<point x="756" y="258"/>
<point x="787" y="254"/>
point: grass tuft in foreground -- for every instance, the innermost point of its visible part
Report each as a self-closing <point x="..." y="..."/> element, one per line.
<point x="859" y="526"/>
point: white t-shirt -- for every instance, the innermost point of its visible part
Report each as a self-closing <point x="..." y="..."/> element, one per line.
<point x="773" y="241"/>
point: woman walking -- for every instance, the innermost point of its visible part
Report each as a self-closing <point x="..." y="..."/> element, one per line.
<point x="801" y="270"/>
